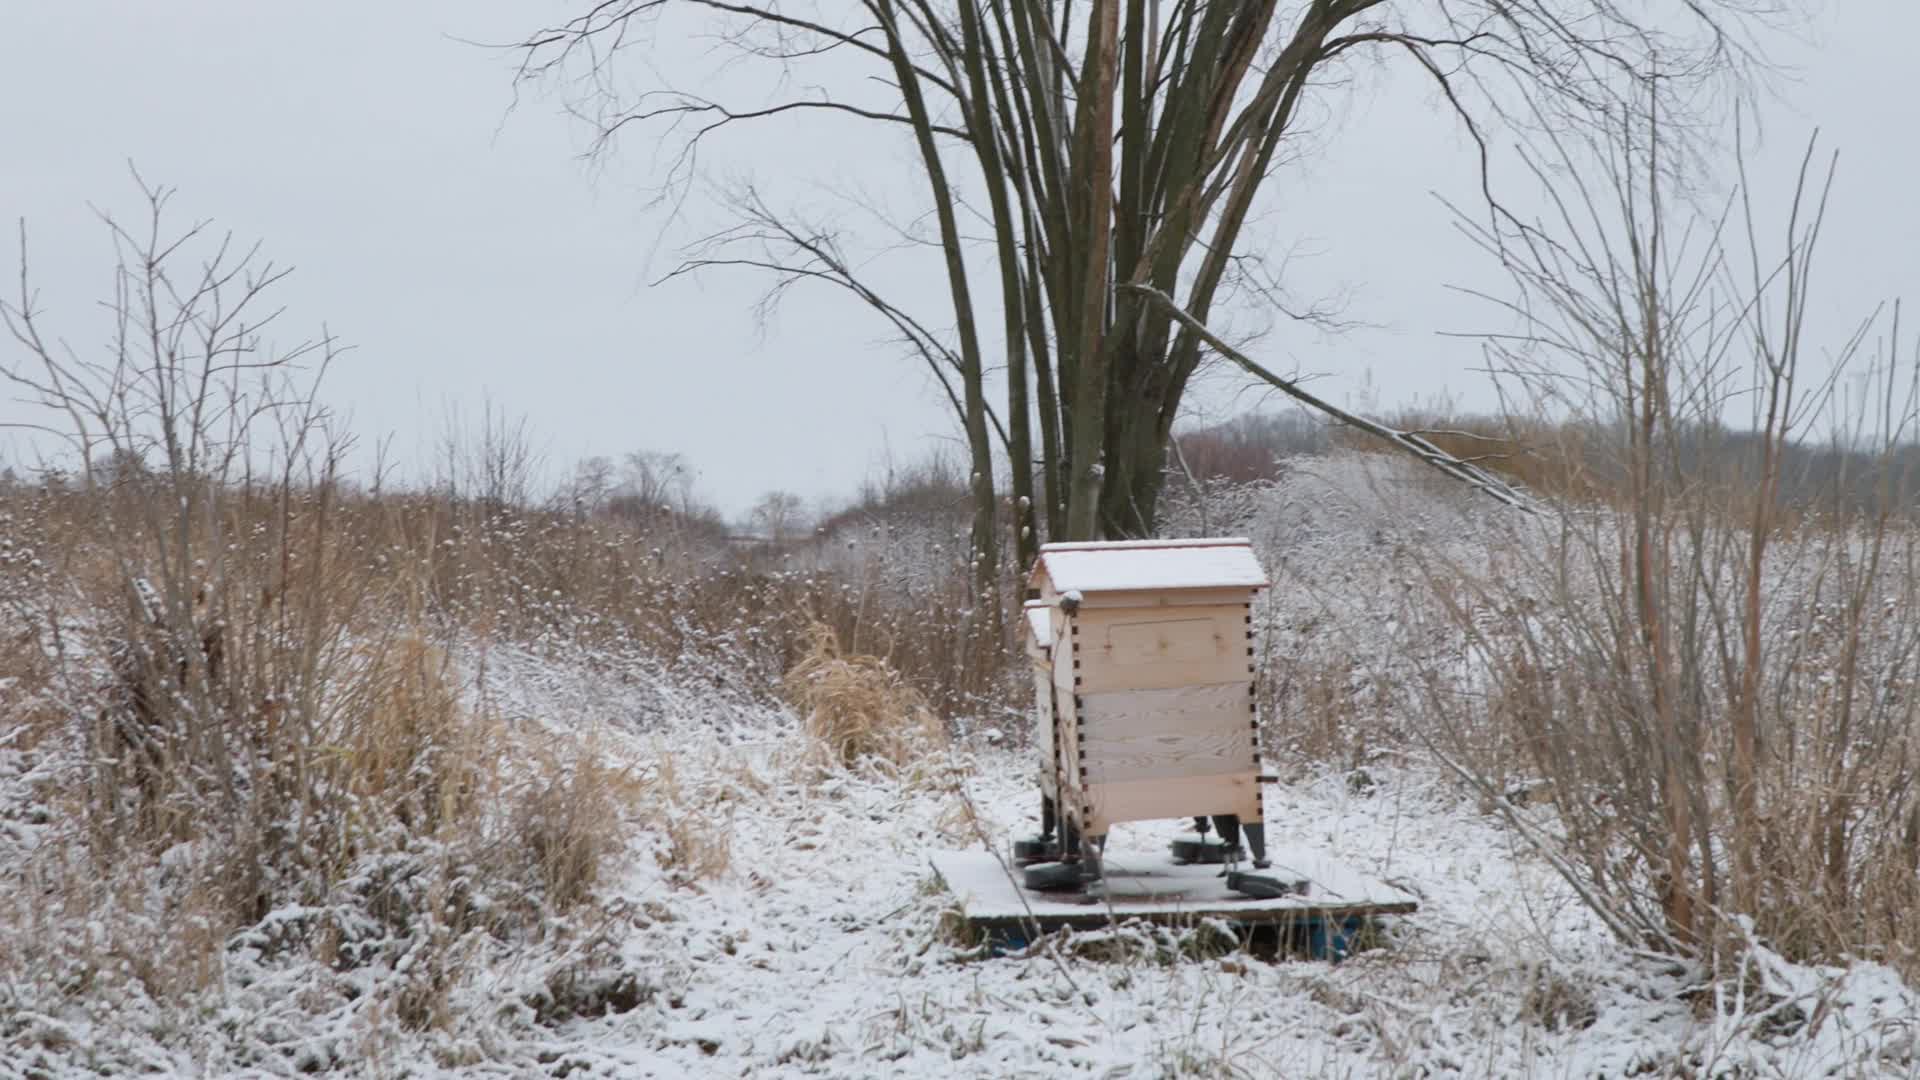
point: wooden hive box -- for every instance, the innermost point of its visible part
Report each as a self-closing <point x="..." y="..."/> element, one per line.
<point x="1143" y="673"/>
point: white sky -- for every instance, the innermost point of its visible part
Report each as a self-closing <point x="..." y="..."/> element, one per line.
<point x="467" y="252"/>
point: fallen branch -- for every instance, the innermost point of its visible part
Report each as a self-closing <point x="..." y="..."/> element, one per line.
<point x="1412" y="442"/>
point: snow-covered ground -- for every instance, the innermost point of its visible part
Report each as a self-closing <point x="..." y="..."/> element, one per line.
<point x="769" y="919"/>
<point x="819" y="950"/>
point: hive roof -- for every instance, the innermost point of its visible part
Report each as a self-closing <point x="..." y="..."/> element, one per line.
<point x="1148" y="565"/>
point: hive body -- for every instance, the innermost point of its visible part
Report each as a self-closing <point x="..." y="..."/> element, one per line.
<point x="1143" y="674"/>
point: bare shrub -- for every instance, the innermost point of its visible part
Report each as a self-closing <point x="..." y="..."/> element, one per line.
<point x="491" y="467"/>
<point x="1712" y="689"/>
<point x="272" y="747"/>
<point x="1252" y="447"/>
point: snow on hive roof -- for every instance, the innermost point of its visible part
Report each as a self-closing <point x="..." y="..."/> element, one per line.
<point x="1128" y="565"/>
<point x="1039" y="624"/>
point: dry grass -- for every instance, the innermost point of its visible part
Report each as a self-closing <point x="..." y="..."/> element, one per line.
<point x="28" y="712"/>
<point x="695" y="826"/>
<point x="300" y="716"/>
<point x="411" y="746"/>
<point x="570" y="819"/>
<point x="1554" y="460"/>
<point x="597" y="582"/>
<point x="245" y="682"/>
<point x="858" y="709"/>
<point x="291" y="734"/>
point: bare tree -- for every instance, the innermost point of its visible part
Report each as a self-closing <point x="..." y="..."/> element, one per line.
<point x="780" y="516"/>
<point x="659" y="480"/>
<point x="592" y="484"/>
<point x="494" y="467"/>
<point x="1102" y="143"/>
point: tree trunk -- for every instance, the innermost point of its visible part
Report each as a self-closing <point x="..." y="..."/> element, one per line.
<point x="985" y="541"/>
<point x="1095" y="156"/>
<point x="1136" y="465"/>
<point x="1012" y="299"/>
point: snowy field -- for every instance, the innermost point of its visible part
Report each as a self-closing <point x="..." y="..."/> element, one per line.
<point x="819" y="951"/>
<point x="772" y="919"/>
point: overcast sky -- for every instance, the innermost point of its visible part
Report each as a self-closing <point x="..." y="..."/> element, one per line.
<point x="467" y="251"/>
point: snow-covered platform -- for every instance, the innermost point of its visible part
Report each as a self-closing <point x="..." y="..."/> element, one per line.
<point x="1338" y="900"/>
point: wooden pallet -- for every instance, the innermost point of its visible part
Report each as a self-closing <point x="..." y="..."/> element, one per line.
<point x="1337" y="903"/>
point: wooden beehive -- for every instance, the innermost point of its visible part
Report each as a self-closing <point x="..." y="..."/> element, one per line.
<point x="1143" y="671"/>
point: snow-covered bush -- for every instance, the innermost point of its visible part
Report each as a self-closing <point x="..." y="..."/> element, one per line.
<point x="246" y="742"/>
<point x="1707" y="665"/>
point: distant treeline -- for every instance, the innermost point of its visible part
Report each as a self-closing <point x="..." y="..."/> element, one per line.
<point x="1580" y="460"/>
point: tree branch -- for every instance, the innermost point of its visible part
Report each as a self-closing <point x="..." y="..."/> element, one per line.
<point x="1411" y="442"/>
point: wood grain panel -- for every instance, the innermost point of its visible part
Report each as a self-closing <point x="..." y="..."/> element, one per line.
<point x="1206" y="709"/>
<point x="1164" y="598"/>
<point x="1043" y="733"/>
<point x="1067" y="725"/>
<point x="1166" y="734"/>
<point x="1168" y="756"/>
<point x="1148" y="800"/>
<point x="1153" y="649"/>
